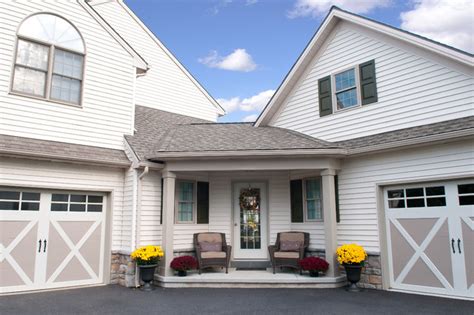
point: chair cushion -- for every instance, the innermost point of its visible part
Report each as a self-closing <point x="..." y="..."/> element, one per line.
<point x="287" y="255"/>
<point x="207" y="255"/>
<point x="284" y="236"/>
<point x="209" y="237"/>
<point x="210" y="247"/>
<point x="290" y="246"/>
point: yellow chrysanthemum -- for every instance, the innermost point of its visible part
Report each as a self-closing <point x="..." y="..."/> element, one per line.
<point x="351" y="254"/>
<point x="147" y="255"/>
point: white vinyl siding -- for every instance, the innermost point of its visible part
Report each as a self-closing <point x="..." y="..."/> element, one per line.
<point x="107" y="106"/>
<point x="413" y="88"/>
<point x="149" y="226"/>
<point x="46" y="175"/>
<point x="359" y="177"/>
<point x="165" y="86"/>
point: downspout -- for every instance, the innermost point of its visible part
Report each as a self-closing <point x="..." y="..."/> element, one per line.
<point x="137" y="214"/>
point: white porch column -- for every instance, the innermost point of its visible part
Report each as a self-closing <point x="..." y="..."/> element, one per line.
<point x="169" y="181"/>
<point x="330" y="223"/>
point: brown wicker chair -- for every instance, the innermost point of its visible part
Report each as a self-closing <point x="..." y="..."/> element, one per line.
<point x="288" y="258"/>
<point x="212" y="258"/>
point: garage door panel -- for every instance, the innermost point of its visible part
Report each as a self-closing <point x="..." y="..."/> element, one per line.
<point x="418" y="229"/>
<point x="439" y="252"/>
<point x="48" y="242"/>
<point x="430" y="236"/>
<point x="24" y="253"/>
<point x="73" y="271"/>
<point x="402" y="251"/>
<point x="91" y="250"/>
<point x="468" y="240"/>
<point x="421" y="275"/>
<point x="18" y="252"/>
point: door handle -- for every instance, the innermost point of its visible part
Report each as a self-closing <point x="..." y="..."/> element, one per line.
<point x="39" y="249"/>
<point x="459" y="245"/>
<point x="452" y="246"/>
<point x="44" y="248"/>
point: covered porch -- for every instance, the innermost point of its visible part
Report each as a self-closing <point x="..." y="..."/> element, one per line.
<point x="267" y="179"/>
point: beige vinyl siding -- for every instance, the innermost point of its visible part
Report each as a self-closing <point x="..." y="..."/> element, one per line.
<point x="107" y="106"/>
<point x="359" y="177"/>
<point x="165" y="86"/>
<point x="414" y="88"/>
<point x="48" y="175"/>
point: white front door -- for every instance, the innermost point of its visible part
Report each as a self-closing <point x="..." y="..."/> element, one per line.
<point x="250" y="221"/>
<point x="50" y="239"/>
<point x="430" y="236"/>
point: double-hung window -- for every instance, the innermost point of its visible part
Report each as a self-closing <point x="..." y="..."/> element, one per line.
<point x="350" y="88"/>
<point x="346" y="94"/>
<point x="306" y="200"/>
<point x="49" y="59"/>
<point x="312" y="193"/>
<point x="186" y="202"/>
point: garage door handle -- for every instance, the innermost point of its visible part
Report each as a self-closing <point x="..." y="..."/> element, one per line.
<point x="459" y="245"/>
<point x="452" y="245"/>
<point x="39" y="249"/>
<point x="44" y="249"/>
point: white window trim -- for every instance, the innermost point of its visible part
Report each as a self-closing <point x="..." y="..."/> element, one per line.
<point x="176" y="207"/>
<point x="49" y="72"/>
<point x="305" y="205"/>
<point x="357" y="85"/>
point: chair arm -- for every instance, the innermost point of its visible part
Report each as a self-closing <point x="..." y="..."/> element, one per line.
<point x="272" y="249"/>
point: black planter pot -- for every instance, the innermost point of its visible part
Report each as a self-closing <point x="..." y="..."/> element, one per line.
<point x="314" y="273"/>
<point x="182" y="273"/>
<point x="147" y="273"/>
<point x="353" y="276"/>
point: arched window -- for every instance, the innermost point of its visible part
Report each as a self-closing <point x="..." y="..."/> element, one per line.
<point x="49" y="59"/>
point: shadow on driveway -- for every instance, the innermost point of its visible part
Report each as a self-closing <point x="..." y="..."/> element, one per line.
<point x="118" y="300"/>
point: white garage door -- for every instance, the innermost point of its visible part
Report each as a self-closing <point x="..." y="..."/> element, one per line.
<point x="430" y="237"/>
<point x="50" y="239"/>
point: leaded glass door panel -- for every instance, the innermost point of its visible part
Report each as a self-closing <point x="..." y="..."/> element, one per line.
<point x="250" y="221"/>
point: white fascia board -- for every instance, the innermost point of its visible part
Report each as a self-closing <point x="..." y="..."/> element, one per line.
<point x="220" y="110"/>
<point x="248" y="154"/>
<point x="289" y="81"/>
<point x="138" y="61"/>
<point x="407" y="37"/>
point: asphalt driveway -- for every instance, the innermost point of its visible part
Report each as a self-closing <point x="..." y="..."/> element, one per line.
<point x="118" y="300"/>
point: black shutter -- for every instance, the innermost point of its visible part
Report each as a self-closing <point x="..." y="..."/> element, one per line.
<point x="325" y="96"/>
<point x="336" y="188"/>
<point x="161" y="201"/>
<point x="202" y="203"/>
<point x="368" y="85"/>
<point x="296" y="198"/>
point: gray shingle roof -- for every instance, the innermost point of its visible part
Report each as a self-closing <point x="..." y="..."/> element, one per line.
<point x="19" y="146"/>
<point x="443" y="127"/>
<point x="159" y="133"/>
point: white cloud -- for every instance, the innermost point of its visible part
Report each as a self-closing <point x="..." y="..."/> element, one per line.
<point x="251" y="2"/>
<point x="250" y="118"/>
<point x="319" y="7"/>
<point x="254" y="103"/>
<point x="238" y="60"/>
<point x="446" y="21"/>
<point x="220" y="5"/>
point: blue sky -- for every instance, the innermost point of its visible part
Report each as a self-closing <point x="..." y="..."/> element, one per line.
<point x="240" y="50"/>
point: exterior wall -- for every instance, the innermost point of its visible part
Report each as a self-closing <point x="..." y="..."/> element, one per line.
<point x="149" y="227"/>
<point x="359" y="177"/>
<point x="54" y="175"/>
<point x="166" y="86"/>
<point x="107" y="109"/>
<point x="415" y="87"/>
<point x="221" y="209"/>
